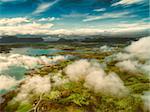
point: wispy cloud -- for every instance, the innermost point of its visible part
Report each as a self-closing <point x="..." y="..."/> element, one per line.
<point x="108" y="16"/>
<point x="74" y="15"/>
<point x="12" y="26"/>
<point x="49" y="19"/>
<point x="8" y="0"/>
<point x="13" y="21"/>
<point x="99" y="10"/>
<point x="127" y="2"/>
<point x="11" y="1"/>
<point x="44" y="6"/>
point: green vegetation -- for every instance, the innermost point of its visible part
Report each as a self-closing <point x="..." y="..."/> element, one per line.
<point x="74" y="97"/>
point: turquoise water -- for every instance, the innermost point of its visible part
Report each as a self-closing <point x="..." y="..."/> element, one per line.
<point x="16" y="72"/>
<point x="3" y="91"/>
<point x="34" y="51"/>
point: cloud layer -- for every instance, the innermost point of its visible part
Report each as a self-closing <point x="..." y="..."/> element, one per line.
<point x="95" y="78"/>
<point x="28" y="62"/>
<point x="12" y="26"/>
<point x="44" y="26"/>
<point x="136" y="57"/>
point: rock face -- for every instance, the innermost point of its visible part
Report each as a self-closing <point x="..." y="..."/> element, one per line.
<point x="14" y="39"/>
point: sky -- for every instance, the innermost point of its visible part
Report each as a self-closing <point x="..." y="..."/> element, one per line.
<point x="73" y="16"/>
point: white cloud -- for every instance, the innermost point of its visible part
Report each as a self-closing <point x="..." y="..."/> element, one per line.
<point x="49" y="19"/>
<point x="44" y="6"/>
<point x="74" y="15"/>
<point x="24" y="20"/>
<point x="95" y="78"/>
<point x="13" y="21"/>
<point x="40" y="26"/>
<point x="12" y="26"/>
<point x="6" y="82"/>
<point x="106" y="48"/>
<point x="128" y="65"/>
<point x="106" y="84"/>
<point x="36" y="85"/>
<point x="99" y="10"/>
<point x="140" y="48"/>
<point x="80" y="31"/>
<point x="33" y="28"/>
<point x="107" y="16"/>
<point x="78" y="70"/>
<point x="127" y="2"/>
<point x="28" y="62"/>
<point x="136" y="57"/>
<point x="10" y="0"/>
<point x="130" y="27"/>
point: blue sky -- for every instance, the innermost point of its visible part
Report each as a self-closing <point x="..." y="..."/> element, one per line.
<point x="66" y="15"/>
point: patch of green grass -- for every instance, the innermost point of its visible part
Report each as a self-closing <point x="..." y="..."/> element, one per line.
<point x="78" y="99"/>
<point x="126" y="104"/>
<point x="12" y="106"/>
<point x="24" y="107"/>
<point x="139" y="88"/>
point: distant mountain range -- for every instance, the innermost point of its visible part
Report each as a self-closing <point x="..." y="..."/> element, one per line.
<point x="67" y="38"/>
<point x="15" y="39"/>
